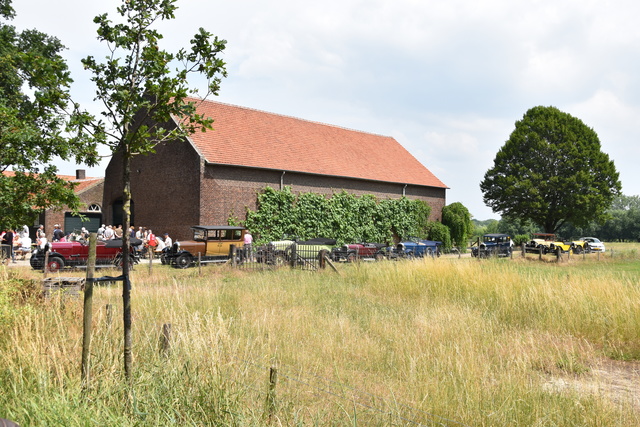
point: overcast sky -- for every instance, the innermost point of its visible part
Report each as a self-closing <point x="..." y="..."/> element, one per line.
<point x="447" y="79"/>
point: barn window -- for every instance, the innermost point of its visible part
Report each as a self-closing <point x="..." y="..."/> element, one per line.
<point x="94" y="208"/>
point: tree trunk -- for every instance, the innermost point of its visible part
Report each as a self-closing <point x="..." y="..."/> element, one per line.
<point x="126" y="283"/>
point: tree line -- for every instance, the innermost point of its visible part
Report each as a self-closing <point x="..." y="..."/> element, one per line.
<point x="621" y="223"/>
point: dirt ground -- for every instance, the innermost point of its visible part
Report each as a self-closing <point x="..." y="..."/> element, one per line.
<point x="615" y="380"/>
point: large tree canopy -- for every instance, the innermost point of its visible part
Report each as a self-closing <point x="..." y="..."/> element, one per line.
<point x="38" y="123"/>
<point x="551" y="171"/>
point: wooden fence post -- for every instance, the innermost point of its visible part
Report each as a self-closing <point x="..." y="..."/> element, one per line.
<point x="271" y="394"/>
<point x="45" y="270"/>
<point x="165" y="340"/>
<point x="558" y="254"/>
<point x="233" y="253"/>
<point x="540" y="249"/>
<point x="199" y="264"/>
<point x="88" y="310"/>
<point x="321" y="258"/>
<point x="109" y="310"/>
<point x="294" y="254"/>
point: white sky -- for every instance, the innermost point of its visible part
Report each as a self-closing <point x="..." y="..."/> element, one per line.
<point x="447" y="80"/>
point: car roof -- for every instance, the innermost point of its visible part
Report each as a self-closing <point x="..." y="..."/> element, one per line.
<point x="217" y="227"/>
<point x="496" y="235"/>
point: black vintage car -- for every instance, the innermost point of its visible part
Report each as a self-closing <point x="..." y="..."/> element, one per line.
<point x="499" y="245"/>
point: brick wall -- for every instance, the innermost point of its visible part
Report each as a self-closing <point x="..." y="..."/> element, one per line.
<point x="229" y="191"/>
<point x="164" y="188"/>
<point x="173" y="189"/>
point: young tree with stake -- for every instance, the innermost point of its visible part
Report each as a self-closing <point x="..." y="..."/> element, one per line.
<point x="142" y="86"/>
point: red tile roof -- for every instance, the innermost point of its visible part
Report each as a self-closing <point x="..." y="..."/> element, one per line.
<point x="247" y="137"/>
<point x="81" y="184"/>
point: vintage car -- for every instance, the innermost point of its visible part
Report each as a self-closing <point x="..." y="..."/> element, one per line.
<point x="413" y="248"/>
<point x="76" y="254"/>
<point x="210" y="244"/>
<point x="592" y="244"/>
<point x="540" y="242"/>
<point x="494" y="244"/>
<point x="283" y="251"/>
<point x="355" y="251"/>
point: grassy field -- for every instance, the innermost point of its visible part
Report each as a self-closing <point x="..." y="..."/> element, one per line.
<point x="453" y="342"/>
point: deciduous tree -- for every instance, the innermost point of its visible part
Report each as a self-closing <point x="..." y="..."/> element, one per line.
<point x="552" y="171"/>
<point x="38" y="123"/>
<point x="457" y="217"/>
<point x="142" y="88"/>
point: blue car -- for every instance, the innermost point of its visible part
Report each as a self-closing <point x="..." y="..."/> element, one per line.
<point x="499" y="245"/>
<point x="418" y="248"/>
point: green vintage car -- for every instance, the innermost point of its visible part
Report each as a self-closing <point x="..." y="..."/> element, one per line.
<point x="283" y="251"/>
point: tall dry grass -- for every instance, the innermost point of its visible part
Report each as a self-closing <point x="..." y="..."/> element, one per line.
<point x="433" y="342"/>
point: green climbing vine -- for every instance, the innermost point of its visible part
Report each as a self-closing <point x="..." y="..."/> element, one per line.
<point x="343" y="216"/>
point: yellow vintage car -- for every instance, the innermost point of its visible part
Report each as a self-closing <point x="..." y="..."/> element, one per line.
<point x="211" y="243"/>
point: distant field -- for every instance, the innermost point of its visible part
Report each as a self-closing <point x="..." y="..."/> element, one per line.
<point x="453" y="342"/>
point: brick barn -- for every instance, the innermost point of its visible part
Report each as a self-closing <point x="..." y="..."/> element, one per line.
<point x="213" y="175"/>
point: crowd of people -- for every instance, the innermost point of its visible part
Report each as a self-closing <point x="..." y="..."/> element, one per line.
<point x="147" y="242"/>
<point x="15" y="243"/>
<point x="20" y="244"/>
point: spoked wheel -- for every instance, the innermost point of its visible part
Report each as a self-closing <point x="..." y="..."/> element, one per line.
<point x="119" y="262"/>
<point x="55" y="264"/>
<point x="351" y="257"/>
<point x="578" y="250"/>
<point x="184" y="261"/>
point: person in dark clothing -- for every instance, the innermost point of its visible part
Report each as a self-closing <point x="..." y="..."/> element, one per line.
<point x="7" y="246"/>
<point x="58" y="234"/>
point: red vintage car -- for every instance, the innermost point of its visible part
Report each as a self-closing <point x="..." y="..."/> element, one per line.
<point x="356" y="251"/>
<point x="76" y="254"/>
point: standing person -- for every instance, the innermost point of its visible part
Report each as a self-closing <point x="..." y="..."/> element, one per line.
<point x="57" y="233"/>
<point x="248" y="243"/>
<point x="101" y="232"/>
<point x="118" y="232"/>
<point x="7" y="242"/>
<point x="168" y="242"/>
<point x="108" y="233"/>
<point x="41" y="237"/>
<point x="151" y="242"/>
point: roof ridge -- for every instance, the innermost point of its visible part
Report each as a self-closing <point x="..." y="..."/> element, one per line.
<point x="288" y="116"/>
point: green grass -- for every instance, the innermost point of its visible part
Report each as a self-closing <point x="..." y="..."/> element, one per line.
<point x="449" y="341"/>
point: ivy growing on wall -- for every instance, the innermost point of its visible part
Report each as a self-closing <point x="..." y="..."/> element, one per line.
<point x="343" y="216"/>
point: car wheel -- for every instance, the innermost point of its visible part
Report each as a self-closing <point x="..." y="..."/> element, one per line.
<point x="279" y="260"/>
<point x="119" y="262"/>
<point x="351" y="257"/>
<point x="184" y="261"/>
<point x="55" y="264"/>
<point x="379" y="256"/>
<point x="409" y="255"/>
<point x="578" y="250"/>
<point x="429" y="252"/>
